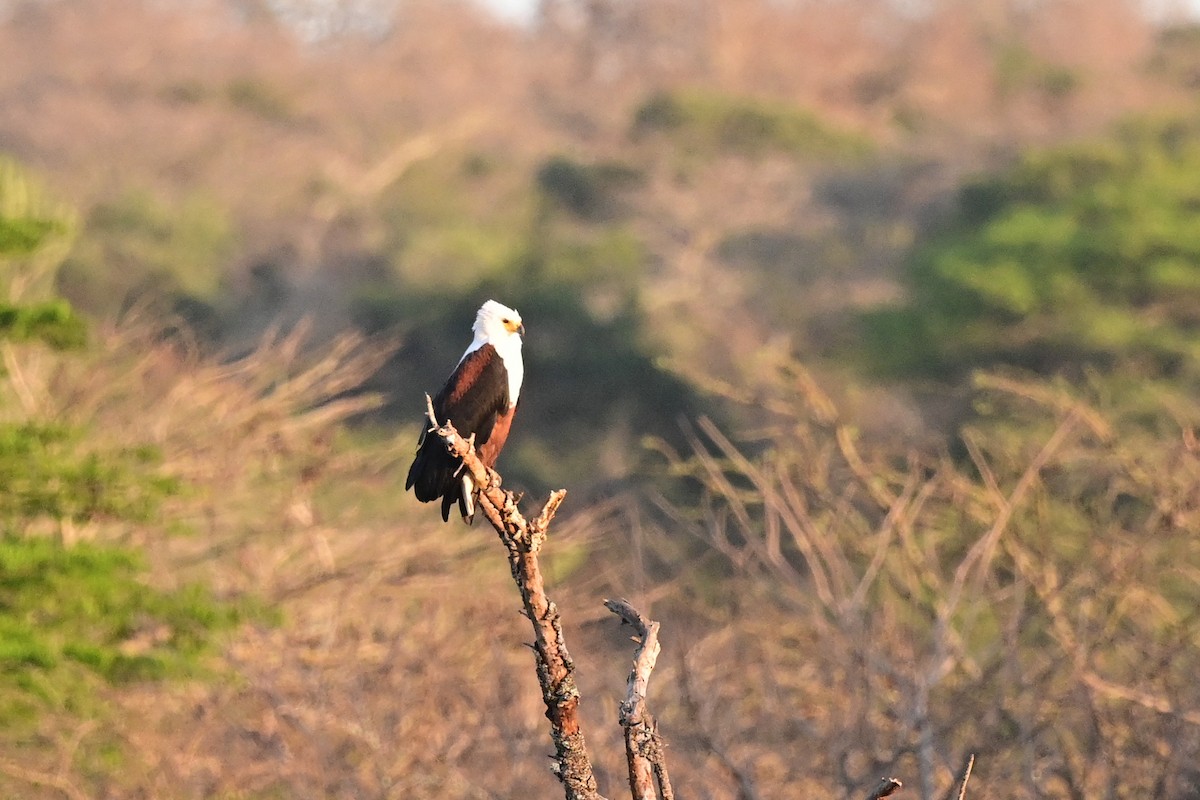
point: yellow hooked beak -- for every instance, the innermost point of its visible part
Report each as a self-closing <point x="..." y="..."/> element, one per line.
<point x="515" y="326"/>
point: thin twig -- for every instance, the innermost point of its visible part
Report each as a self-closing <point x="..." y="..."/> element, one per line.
<point x="962" y="789"/>
<point x="885" y="788"/>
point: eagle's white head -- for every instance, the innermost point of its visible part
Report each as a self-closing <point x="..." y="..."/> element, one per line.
<point x="497" y="323"/>
<point x="500" y="326"/>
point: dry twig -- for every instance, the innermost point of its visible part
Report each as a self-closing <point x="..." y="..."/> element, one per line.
<point x="648" y="779"/>
<point x="962" y="788"/>
<point x="885" y="788"/>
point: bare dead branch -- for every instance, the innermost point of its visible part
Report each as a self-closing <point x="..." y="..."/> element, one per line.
<point x="1157" y="703"/>
<point x="522" y="540"/>
<point x="643" y="746"/>
<point x="885" y="788"/>
<point x="962" y="787"/>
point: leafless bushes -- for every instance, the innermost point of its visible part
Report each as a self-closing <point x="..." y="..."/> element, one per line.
<point x="251" y="437"/>
<point x="1032" y="601"/>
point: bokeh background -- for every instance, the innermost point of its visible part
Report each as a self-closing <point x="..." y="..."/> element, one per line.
<point x="864" y="334"/>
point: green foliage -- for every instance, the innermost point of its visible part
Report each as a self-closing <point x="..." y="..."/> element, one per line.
<point x="28" y="221"/>
<point x="1177" y="55"/>
<point x="589" y="191"/>
<point x="260" y="98"/>
<point x="455" y="220"/>
<point x="1018" y="68"/>
<point x="50" y="471"/>
<point x="69" y="615"/>
<point x="53" y="322"/>
<point x="709" y="122"/>
<point x="75" y="617"/>
<point x="1082" y="254"/>
<point x="24" y="235"/>
<point x="31" y="227"/>
<point x="138" y="244"/>
<point x="602" y="266"/>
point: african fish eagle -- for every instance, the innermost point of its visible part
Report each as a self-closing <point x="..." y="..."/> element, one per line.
<point x="480" y="398"/>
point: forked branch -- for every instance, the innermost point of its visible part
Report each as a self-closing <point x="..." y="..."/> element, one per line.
<point x="522" y="539"/>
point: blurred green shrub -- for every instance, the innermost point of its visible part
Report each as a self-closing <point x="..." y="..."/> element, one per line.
<point x="591" y="192"/>
<point x="137" y="245"/>
<point x="454" y="219"/>
<point x="1018" y="68"/>
<point x="1082" y="255"/>
<point x="75" y="613"/>
<point x="53" y="322"/>
<point x="50" y="471"/>
<point x="709" y="122"/>
<point x="34" y="232"/>
<point x="260" y="98"/>
<point x="29" y="221"/>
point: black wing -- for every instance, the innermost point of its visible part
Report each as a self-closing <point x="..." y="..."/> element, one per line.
<point x="476" y="392"/>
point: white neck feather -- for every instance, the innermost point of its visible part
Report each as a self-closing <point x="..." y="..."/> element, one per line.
<point x="508" y="348"/>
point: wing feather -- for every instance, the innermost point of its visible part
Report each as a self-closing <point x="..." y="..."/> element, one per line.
<point x="475" y="393"/>
<point x="473" y="398"/>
